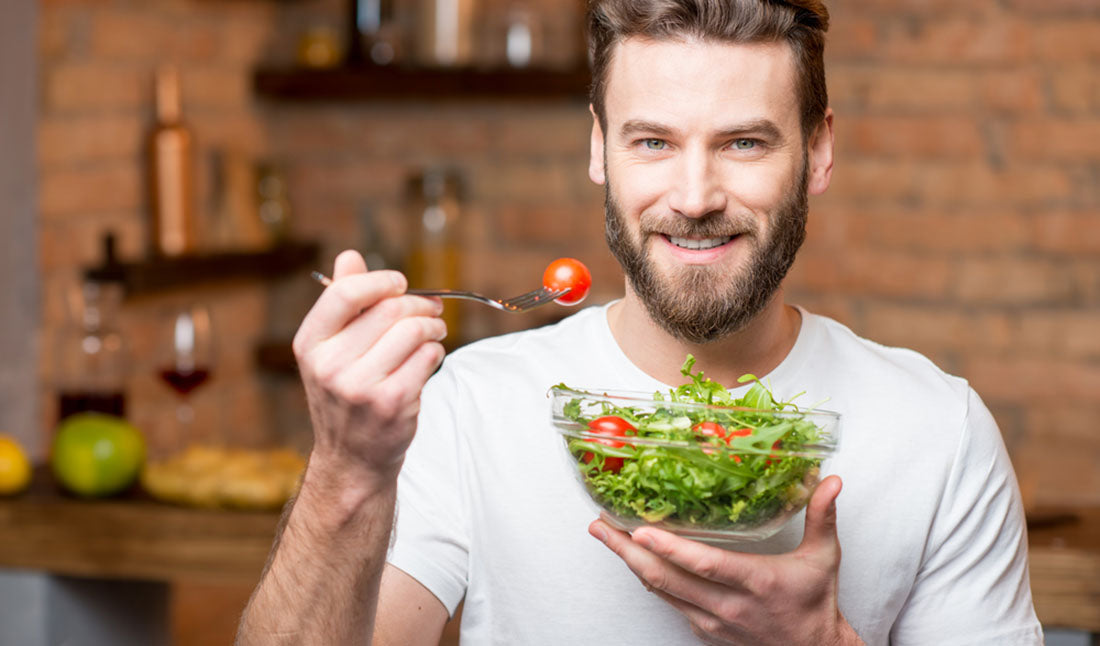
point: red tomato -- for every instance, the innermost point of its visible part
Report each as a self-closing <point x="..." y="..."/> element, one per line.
<point x="712" y="429"/>
<point x="571" y="274"/>
<point x="609" y="426"/>
<point x="741" y="432"/>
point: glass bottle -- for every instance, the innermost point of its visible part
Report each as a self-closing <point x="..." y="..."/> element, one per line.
<point x="92" y="354"/>
<point x="435" y="259"/>
<point x="170" y="145"/>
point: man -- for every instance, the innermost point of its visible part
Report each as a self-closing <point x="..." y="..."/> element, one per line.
<point x="710" y="129"/>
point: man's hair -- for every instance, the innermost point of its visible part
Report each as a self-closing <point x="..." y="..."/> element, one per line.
<point x="799" y="23"/>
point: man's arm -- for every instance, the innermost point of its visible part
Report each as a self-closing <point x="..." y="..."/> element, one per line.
<point x="365" y="351"/>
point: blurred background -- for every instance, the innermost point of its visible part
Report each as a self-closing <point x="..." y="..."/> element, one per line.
<point x="171" y="170"/>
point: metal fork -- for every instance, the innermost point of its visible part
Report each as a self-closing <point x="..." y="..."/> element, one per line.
<point x="516" y="304"/>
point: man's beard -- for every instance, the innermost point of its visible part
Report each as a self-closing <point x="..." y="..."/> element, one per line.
<point x="697" y="304"/>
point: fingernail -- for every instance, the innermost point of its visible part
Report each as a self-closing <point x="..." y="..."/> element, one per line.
<point x="398" y="280"/>
<point x="599" y="533"/>
<point x="646" y="541"/>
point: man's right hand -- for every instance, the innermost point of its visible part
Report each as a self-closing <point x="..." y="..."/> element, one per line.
<point x="365" y="351"/>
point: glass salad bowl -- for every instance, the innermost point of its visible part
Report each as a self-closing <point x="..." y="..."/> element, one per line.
<point x="716" y="473"/>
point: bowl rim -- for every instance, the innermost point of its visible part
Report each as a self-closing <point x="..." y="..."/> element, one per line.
<point x="641" y="396"/>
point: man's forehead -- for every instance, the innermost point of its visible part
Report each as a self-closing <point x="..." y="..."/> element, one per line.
<point x="693" y="75"/>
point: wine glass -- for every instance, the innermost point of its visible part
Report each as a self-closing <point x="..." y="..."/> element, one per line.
<point x="188" y="360"/>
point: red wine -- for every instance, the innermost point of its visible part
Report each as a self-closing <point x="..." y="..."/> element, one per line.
<point x="184" y="381"/>
<point x="71" y="402"/>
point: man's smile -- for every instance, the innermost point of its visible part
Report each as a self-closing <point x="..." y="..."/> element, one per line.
<point x="699" y="244"/>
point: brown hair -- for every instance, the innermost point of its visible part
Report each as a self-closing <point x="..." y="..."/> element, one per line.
<point x="800" y="23"/>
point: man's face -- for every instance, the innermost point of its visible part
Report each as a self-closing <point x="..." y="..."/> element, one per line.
<point x="706" y="178"/>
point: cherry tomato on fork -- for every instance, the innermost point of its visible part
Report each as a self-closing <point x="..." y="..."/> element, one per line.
<point x="611" y="426"/>
<point x="571" y="274"/>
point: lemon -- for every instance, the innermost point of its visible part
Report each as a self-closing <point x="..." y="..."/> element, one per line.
<point x="15" y="468"/>
<point x="96" y="455"/>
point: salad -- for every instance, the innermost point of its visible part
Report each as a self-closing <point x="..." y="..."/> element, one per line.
<point x="696" y="456"/>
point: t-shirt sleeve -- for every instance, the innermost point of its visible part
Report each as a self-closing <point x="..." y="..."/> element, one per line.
<point x="973" y="586"/>
<point x="430" y="541"/>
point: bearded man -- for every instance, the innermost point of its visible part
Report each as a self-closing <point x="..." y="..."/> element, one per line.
<point x="711" y="128"/>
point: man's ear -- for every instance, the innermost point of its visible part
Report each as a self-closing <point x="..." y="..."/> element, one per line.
<point x="596" y="171"/>
<point x="821" y="155"/>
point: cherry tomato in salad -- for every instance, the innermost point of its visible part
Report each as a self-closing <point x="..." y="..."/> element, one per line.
<point x="712" y="429"/>
<point x="609" y="426"/>
<point x="571" y="274"/>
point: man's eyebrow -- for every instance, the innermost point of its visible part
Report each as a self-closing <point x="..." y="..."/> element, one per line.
<point x="765" y="128"/>
<point x="636" y="126"/>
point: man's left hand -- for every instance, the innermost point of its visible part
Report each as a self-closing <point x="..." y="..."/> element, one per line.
<point x="747" y="599"/>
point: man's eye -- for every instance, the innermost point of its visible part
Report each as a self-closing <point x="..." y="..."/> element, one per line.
<point x="744" y="144"/>
<point x="655" y="144"/>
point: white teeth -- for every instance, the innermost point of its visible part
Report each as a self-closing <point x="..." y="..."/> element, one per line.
<point x="708" y="243"/>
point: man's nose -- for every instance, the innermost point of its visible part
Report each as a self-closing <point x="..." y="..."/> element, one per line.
<point x="697" y="187"/>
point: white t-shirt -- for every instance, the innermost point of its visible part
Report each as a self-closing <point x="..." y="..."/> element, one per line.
<point x="930" y="522"/>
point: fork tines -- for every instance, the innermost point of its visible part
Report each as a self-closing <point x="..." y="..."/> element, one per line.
<point x="532" y="298"/>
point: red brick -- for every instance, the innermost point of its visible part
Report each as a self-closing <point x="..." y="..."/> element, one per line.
<point x="949" y="183"/>
<point x="1054" y="7"/>
<point x="531" y="183"/>
<point x="841" y="9"/>
<point x="1068" y="232"/>
<point x="58" y="32"/>
<point x="1076" y="140"/>
<point x="872" y="272"/>
<point x="1026" y="381"/>
<point x="911" y="136"/>
<point x="923" y="91"/>
<point x="1069" y="333"/>
<point x="76" y="140"/>
<point x="558" y="132"/>
<point x="930" y="230"/>
<point x="852" y="38"/>
<point x="94" y="86"/>
<point x="79" y="241"/>
<point x="217" y="87"/>
<point x="959" y="40"/>
<point x="972" y="184"/>
<point x="238" y="132"/>
<point x="1014" y="91"/>
<point x="1013" y="281"/>
<point x="1075" y="88"/>
<point x="101" y="188"/>
<point x="936" y="329"/>
<point x="1067" y="41"/>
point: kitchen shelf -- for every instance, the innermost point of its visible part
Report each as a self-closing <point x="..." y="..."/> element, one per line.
<point x="365" y="83"/>
<point x="157" y="274"/>
<point x="132" y="537"/>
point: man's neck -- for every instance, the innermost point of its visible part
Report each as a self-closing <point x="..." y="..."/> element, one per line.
<point x="758" y="349"/>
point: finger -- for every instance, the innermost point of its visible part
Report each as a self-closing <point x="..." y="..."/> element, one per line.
<point x="363" y="332"/>
<point x="657" y="573"/>
<point x="820" y="536"/>
<point x="342" y="302"/>
<point x="347" y="263"/>
<point x="408" y="380"/>
<point x="395" y="347"/>
<point x="732" y="569"/>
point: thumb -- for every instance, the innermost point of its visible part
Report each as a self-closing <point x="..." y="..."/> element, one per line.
<point x="820" y="534"/>
<point x="347" y="263"/>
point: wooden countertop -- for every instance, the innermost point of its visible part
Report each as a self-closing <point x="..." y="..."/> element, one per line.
<point x="133" y="538"/>
<point x="137" y="538"/>
<point x="1064" y="554"/>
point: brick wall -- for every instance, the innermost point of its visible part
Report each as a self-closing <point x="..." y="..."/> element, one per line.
<point x="963" y="221"/>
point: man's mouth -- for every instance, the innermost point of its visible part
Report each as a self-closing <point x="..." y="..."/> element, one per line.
<point x="699" y="244"/>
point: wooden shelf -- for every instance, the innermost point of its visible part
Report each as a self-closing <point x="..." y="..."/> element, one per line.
<point x="160" y="274"/>
<point x="133" y="538"/>
<point x="398" y="83"/>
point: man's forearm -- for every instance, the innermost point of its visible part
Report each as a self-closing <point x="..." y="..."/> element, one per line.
<point x="321" y="583"/>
